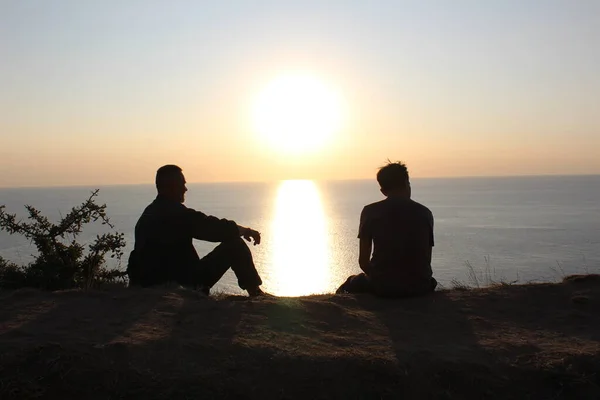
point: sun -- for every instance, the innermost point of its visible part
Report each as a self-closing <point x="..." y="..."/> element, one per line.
<point x="297" y="113"/>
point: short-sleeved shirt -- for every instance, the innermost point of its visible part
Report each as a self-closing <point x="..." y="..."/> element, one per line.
<point x="402" y="233"/>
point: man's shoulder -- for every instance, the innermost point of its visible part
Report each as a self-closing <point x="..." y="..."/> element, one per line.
<point x="395" y="205"/>
<point x="421" y="207"/>
<point x="376" y="204"/>
<point x="374" y="207"/>
<point x="161" y="206"/>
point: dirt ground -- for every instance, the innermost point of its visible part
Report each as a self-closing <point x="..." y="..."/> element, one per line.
<point x="523" y="341"/>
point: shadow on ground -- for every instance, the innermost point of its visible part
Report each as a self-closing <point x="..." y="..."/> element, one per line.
<point x="536" y="341"/>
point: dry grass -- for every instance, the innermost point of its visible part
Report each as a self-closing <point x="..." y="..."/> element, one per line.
<point x="512" y="341"/>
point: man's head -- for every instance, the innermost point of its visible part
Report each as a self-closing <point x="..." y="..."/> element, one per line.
<point x="393" y="179"/>
<point x="170" y="183"/>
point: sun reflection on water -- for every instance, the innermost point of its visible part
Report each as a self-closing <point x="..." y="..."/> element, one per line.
<point x="300" y="246"/>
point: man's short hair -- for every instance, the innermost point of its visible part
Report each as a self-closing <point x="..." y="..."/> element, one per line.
<point x="393" y="176"/>
<point x="167" y="173"/>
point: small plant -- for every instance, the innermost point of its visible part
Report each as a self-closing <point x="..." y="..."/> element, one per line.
<point x="473" y="278"/>
<point x="559" y="271"/>
<point x="483" y="277"/>
<point x="11" y="275"/>
<point x="458" y="285"/>
<point x="62" y="262"/>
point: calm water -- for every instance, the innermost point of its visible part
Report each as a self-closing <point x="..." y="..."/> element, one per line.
<point x="530" y="228"/>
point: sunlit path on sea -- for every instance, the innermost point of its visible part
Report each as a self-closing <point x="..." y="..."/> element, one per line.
<point x="300" y="256"/>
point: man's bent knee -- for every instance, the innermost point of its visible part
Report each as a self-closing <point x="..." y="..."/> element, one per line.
<point x="235" y="245"/>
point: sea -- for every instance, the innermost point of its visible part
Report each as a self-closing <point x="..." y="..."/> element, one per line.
<point x="487" y="230"/>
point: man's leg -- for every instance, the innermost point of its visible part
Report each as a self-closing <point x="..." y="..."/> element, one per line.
<point x="356" y="284"/>
<point x="233" y="254"/>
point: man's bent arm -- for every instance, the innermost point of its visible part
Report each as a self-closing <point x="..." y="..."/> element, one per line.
<point x="249" y="234"/>
<point x="209" y="228"/>
<point x="364" y="254"/>
<point x="213" y="229"/>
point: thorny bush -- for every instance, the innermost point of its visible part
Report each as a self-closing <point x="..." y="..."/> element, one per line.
<point x="62" y="262"/>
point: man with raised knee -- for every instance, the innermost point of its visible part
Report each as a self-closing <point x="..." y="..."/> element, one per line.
<point x="164" y="250"/>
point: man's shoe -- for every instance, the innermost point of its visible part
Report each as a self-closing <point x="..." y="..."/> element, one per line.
<point x="258" y="292"/>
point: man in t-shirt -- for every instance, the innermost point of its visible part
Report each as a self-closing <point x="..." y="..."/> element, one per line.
<point x="399" y="231"/>
<point x="164" y="250"/>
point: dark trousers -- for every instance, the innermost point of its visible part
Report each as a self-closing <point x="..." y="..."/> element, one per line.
<point x="162" y="266"/>
<point x="233" y="254"/>
<point x="361" y="283"/>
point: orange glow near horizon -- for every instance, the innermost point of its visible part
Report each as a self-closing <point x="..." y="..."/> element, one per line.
<point x="295" y="90"/>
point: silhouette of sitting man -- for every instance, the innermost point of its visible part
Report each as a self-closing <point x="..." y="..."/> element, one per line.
<point x="164" y="234"/>
<point x="400" y="233"/>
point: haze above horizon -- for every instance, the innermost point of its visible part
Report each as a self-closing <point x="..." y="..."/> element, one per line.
<point x="97" y="93"/>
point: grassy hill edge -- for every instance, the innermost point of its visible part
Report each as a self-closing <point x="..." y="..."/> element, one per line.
<point x="507" y="341"/>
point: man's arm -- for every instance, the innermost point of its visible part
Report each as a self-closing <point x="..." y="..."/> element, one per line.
<point x="213" y="229"/>
<point x="208" y="227"/>
<point x="366" y="242"/>
<point x="364" y="254"/>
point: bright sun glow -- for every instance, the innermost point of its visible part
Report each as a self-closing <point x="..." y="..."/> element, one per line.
<point x="297" y="113"/>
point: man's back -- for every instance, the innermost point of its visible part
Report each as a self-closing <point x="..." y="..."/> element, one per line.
<point x="402" y="234"/>
<point x="161" y="223"/>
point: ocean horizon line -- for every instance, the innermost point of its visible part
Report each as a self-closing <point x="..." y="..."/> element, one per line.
<point x="417" y="178"/>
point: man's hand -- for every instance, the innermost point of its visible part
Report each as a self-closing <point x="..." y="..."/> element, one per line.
<point x="249" y="234"/>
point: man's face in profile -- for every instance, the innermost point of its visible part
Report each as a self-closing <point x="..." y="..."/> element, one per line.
<point x="179" y="188"/>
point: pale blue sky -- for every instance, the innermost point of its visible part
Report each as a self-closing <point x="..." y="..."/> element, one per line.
<point x="106" y="91"/>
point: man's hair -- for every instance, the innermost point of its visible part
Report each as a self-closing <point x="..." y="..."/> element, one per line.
<point x="165" y="174"/>
<point x="393" y="176"/>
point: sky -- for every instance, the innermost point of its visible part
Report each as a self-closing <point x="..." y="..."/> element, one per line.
<point x="105" y="92"/>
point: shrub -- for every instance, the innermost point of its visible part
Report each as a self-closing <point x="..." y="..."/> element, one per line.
<point x="11" y="275"/>
<point x="62" y="262"/>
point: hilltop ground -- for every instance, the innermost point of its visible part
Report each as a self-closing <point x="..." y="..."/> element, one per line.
<point x="522" y="341"/>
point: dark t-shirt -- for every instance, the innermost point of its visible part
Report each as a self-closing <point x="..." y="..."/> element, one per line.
<point x="402" y="234"/>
